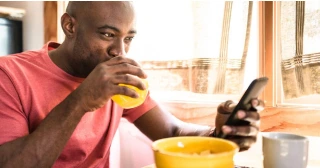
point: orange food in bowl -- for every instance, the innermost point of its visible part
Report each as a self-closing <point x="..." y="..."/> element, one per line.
<point x="194" y="152"/>
<point x="129" y="102"/>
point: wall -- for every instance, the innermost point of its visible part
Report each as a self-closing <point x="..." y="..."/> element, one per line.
<point x="33" y="29"/>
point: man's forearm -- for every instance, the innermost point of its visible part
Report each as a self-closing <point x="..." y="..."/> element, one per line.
<point x="43" y="146"/>
<point x="189" y="129"/>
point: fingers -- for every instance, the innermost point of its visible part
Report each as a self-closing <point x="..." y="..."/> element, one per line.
<point x="254" y="102"/>
<point x="258" y="105"/>
<point x="244" y="133"/>
<point x="122" y="90"/>
<point x="257" y="102"/>
<point x="244" y="136"/>
<point x="250" y="130"/>
<point x="124" y="65"/>
<point x="126" y="68"/>
<point x="129" y="80"/>
<point x="126" y="91"/>
<point x="243" y="143"/>
<point x="240" y="130"/>
<point x="118" y="82"/>
<point x="118" y="71"/>
<point x="252" y="117"/>
<point x="228" y="107"/>
<point x="120" y="60"/>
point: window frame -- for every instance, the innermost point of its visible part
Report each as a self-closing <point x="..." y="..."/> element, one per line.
<point x="270" y="57"/>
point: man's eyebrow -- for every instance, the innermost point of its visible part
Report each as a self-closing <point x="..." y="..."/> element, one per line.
<point x="132" y="32"/>
<point x="116" y="29"/>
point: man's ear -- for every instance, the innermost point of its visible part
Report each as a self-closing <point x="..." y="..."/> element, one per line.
<point x="68" y="25"/>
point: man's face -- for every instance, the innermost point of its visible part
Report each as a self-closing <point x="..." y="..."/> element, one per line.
<point x="103" y="30"/>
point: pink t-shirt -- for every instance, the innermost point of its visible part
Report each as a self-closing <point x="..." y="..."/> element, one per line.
<point x="31" y="85"/>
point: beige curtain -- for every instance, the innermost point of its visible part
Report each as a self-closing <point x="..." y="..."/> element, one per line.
<point x="220" y="51"/>
<point x="224" y="74"/>
<point x="301" y="55"/>
<point x="223" y="69"/>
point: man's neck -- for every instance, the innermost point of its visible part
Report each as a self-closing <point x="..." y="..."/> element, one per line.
<point x="59" y="56"/>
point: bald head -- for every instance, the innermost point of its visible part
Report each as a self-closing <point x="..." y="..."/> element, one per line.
<point x="76" y="8"/>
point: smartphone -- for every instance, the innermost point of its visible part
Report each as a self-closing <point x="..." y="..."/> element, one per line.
<point x="252" y="92"/>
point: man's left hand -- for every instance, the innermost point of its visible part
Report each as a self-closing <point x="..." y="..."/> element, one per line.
<point x="244" y="136"/>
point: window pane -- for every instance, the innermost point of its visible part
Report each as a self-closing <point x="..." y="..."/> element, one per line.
<point x="165" y="31"/>
<point x="311" y="27"/>
<point x="288" y="22"/>
<point x="197" y="49"/>
<point x="300" y="54"/>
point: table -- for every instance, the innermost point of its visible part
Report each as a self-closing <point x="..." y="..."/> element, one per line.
<point x="254" y="158"/>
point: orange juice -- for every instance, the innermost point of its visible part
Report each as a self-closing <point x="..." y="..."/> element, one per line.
<point x="129" y="102"/>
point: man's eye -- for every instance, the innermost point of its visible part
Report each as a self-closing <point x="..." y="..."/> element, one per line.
<point x="108" y="34"/>
<point x="129" y="38"/>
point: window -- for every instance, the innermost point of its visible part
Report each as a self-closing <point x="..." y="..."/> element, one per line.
<point x="298" y="53"/>
<point x="197" y="51"/>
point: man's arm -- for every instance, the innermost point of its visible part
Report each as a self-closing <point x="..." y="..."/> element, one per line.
<point x="43" y="146"/>
<point x="158" y="123"/>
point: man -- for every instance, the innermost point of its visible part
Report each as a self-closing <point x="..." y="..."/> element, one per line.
<point x="55" y="107"/>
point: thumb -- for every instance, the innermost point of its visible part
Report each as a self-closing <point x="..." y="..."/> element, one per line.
<point x="223" y="112"/>
<point x="226" y="107"/>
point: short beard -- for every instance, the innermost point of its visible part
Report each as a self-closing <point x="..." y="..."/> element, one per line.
<point x="79" y="60"/>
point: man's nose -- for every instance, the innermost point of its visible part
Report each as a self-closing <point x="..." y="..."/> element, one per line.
<point x="118" y="48"/>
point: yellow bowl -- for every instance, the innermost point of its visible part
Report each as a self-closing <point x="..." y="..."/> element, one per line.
<point x="194" y="152"/>
<point x="129" y="102"/>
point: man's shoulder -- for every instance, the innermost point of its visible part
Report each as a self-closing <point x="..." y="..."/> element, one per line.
<point x="19" y="59"/>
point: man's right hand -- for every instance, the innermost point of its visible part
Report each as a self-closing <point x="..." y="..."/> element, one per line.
<point x="102" y="83"/>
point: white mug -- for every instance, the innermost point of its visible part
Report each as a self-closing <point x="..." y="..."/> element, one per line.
<point x="284" y="150"/>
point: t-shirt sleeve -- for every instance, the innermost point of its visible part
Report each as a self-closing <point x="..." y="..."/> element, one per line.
<point x="13" y="121"/>
<point x="134" y="113"/>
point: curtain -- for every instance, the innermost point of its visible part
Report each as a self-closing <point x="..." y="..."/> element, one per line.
<point x="300" y="51"/>
<point x="208" y="58"/>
